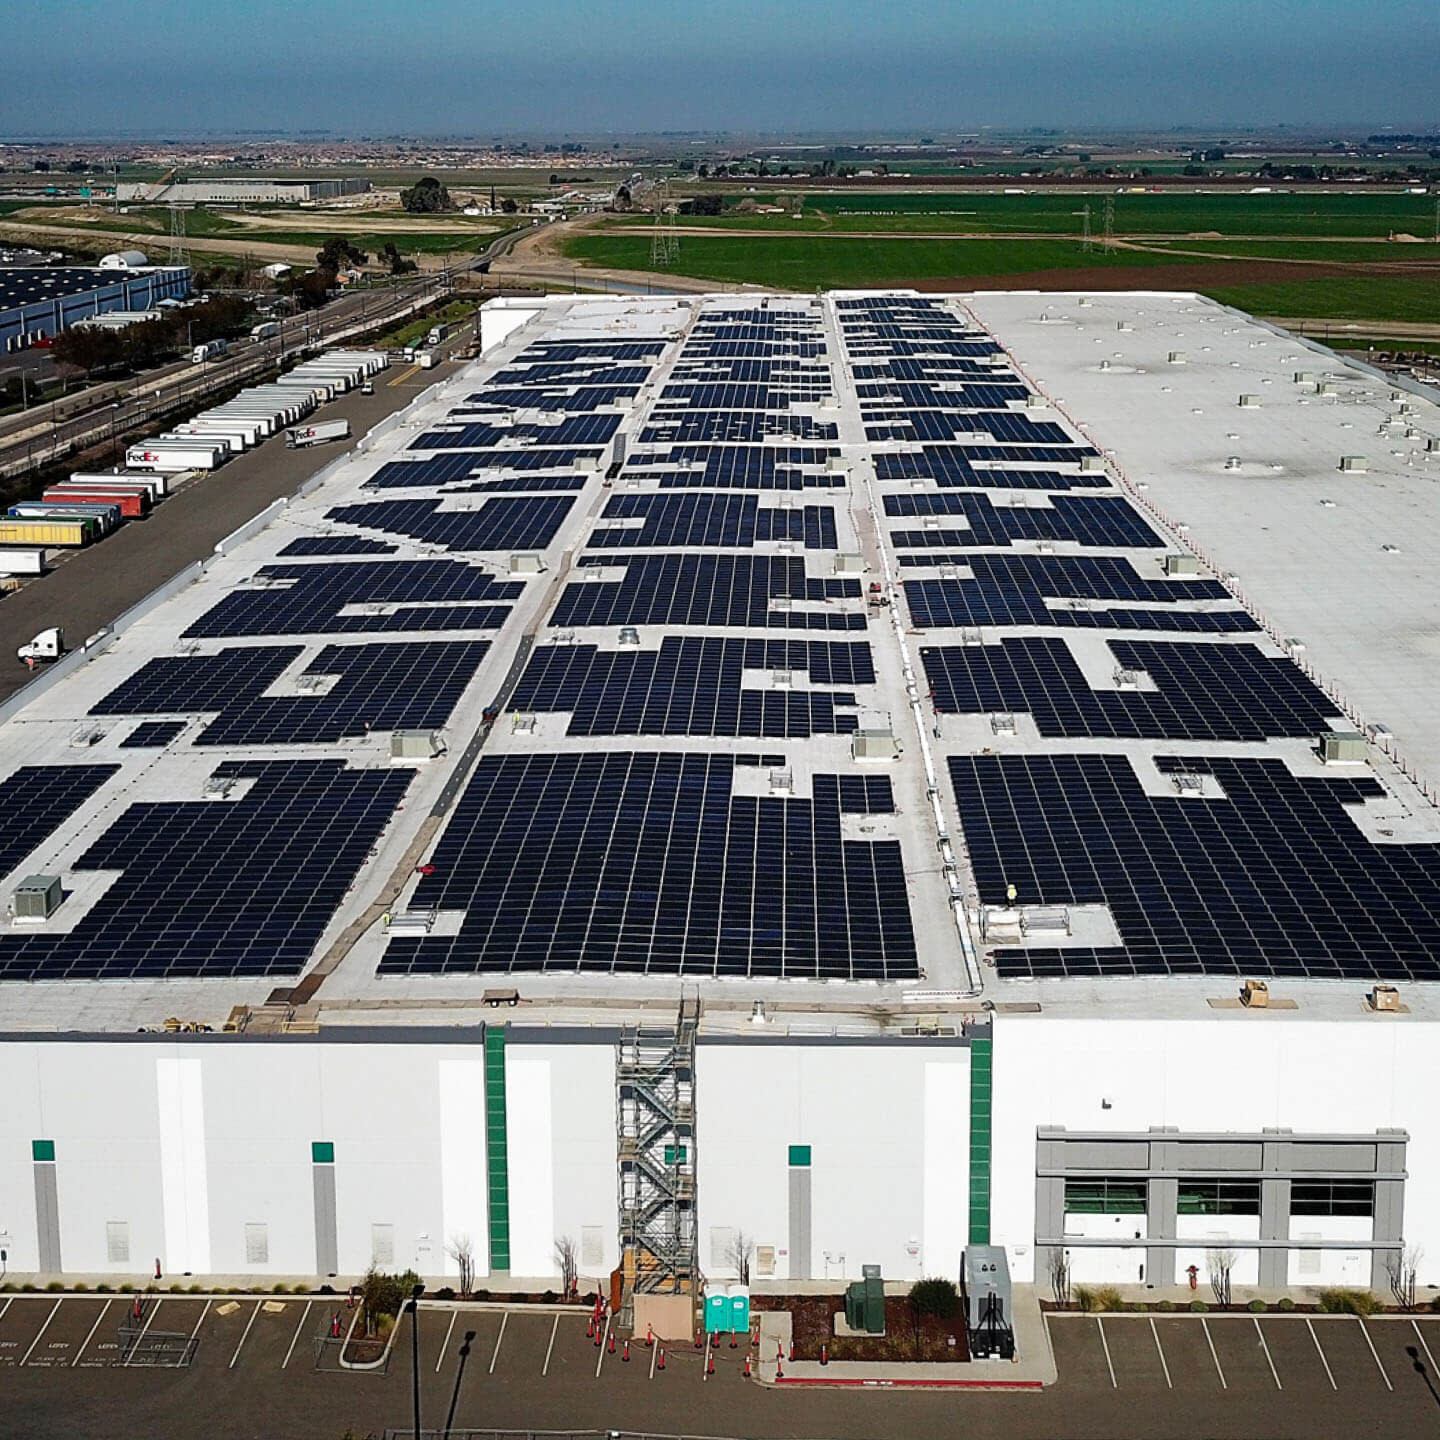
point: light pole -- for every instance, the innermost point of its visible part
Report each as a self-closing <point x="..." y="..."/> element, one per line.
<point x="415" y="1295"/>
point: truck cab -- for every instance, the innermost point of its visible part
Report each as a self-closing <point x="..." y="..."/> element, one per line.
<point x="48" y="645"/>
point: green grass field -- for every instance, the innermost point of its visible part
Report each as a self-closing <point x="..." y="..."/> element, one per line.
<point x="807" y="262"/>
<point x="1306" y="213"/>
<point x="1350" y="297"/>
<point x="441" y="243"/>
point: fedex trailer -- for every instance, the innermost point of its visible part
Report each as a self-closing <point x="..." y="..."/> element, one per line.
<point x="173" y="458"/>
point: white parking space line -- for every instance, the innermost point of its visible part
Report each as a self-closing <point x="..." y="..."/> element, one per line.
<point x="1321" y="1351"/>
<point x="53" y="1312"/>
<point x="298" y="1328"/>
<point x="1160" y="1351"/>
<point x="1269" y="1359"/>
<point x="1419" y="1335"/>
<point x="245" y="1336"/>
<point x="495" y="1354"/>
<point x="9" y="1301"/>
<point x="1374" y="1353"/>
<point x="201" y="1320"/>
<point x="545" y="1368"/>
<point x="445" y="1343"/>
<point x="600" y="1359"/>
<point x="149" y="1320"/>
<point x="91" y="1335"/>
<point x="1100" y="1326"/>
<point x="1224" y="1384"/>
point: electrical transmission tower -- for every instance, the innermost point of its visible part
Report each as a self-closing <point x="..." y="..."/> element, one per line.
<point x="1087" y="241"/>
<point x="1109" y="221"/>
<point x="179" y="250"/>
<point x="664" y="240"/>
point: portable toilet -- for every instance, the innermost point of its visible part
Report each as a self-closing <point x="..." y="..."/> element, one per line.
<point x="739" y="1298"/>
<point x="717" y="1312"/>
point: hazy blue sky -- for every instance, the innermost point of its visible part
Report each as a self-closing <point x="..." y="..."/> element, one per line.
<point x="477" y="66"/>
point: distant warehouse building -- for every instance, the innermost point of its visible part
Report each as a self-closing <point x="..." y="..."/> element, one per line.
<point x="241" y="192"/>
<point x="38" y="303"/>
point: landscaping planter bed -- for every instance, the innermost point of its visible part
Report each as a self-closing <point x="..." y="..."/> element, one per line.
<point x="907" y="1337"/>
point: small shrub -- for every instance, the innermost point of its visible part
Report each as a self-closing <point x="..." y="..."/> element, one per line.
<point x="8" y="1288"/>
<point x="127" y="1288"/>
<point x="1198" y="1307"/>
<point x="383" y="1326"/>
<point x="485" y="1295"/>
<point x="1257" y="1306"/>
<point x="103" y="1289"/>
<point x="27" y="1288"/>
<point x="1107" y="1297"/>
<point x="1285" y="1303"/>
<point x="80" y="1287"/>
<point x="1348" y="1302"/>
<point x="196" y="1289"/>
<point x="1435" y="1304"/>
<point x="1164" y="1306"/>
<point x="55" y="1286"/>
<point x="176" y="1288"/>
<point x="549" y="1298"/>
<point x="1082" y="1297"/>
<point x="325" y="1290"/>
<point x="279" y="1288"/>
<point x="936" y="1296"/>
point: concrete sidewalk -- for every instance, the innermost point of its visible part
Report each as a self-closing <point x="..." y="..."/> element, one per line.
<point x="1032" y="1369"/>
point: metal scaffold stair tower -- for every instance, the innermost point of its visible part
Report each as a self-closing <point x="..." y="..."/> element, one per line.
<point x="655" y="1085"/>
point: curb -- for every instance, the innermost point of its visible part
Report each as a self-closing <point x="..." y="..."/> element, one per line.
<point x="859" y="1382"/>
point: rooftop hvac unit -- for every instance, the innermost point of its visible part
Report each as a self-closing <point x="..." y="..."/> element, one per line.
<point x="1232" y="462"/>
<point x="1305" y="377"/>
<point x="1177" y="357"/>
<point x="1326" y="387"/>
<point x="1091" y="464"/>
<point x="874" y="745"/>
<point x="1353" y="464"/>
<point x="37" y="897"/>
<point x="1344" y="748"/>
<point x="1255" y="995"/>
<point x="415" y="745"/>
<point x="617" y="453"/>
<point x="526" y="562"/>
<point x="1249" y="402"/>
<point x="1002" y="724"/>
<point x="629" y="637"/>
<point x="847" y="562"/>
<point x="997" y="360"/>
<point x="1182" y="565"/>
<point x="1124" y="325"/>
<point x="1036" y="402"/>
<point x="1385" y="997"/>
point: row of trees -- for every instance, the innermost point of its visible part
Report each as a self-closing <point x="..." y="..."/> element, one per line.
<point x="150" y="341"/>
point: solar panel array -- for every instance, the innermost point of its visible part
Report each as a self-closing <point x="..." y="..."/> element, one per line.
<point x="631" y="862"/>
<point x="1251" y="871"/>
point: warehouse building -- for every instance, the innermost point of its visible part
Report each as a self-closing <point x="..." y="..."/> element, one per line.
<point x="38" y="303"/>
<point x="240" y="191"/>
<point x="828" y="781"/>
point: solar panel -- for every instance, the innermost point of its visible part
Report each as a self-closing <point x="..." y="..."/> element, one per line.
<point x="1204" y="691"/>
<point x="337" y="545"/>
<point x="413" y="685"/>
<point x="642" y="863"/>
<point x="709" y="590"/>
<point x="361" y="597"/>
<point x="1098" y="521"/>
<point x="692" y="520"/>
<point x="37" y="799"/>
<point x="152" y="734"/>
<point x="236" y="886"/>
<point x="1276" y="879"/>
<point x="693" y="686"/>
<point x="500" y="524"/>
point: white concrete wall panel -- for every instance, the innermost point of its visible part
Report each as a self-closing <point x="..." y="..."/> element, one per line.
<point x="464" y="1193"/>
<point x="530" y="1148"/>
<point x="184" y="1183"/>
<point x="583" y="1159"/>
<point x="863" y="1111"/>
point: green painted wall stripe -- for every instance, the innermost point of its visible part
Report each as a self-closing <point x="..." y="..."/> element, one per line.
<point x="980" y="1072"/>
<point x="496" y="1156"/>
<point x="322" y="1152"/>
<point x="42" y="1150"/>
<point x="799" y="1154"/>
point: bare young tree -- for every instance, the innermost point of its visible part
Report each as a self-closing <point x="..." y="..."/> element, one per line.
<point x="739" y="1255"/>
<point x="1401" y="1266"/>
<point x="566" y="1257"/>
<point x="1218" y="1264"/>
<point x="1060" y="1276"/>
<point x="462" y="1251"/>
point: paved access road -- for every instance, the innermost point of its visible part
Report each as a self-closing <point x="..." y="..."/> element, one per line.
<point x="265" y="1367"/>
<point x="88" y="588"/>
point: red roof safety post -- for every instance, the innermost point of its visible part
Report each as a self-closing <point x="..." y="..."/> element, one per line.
<point x="660" y="1358"/>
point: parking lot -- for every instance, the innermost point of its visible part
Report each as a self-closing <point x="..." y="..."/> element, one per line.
<point x="1243" y="1354"/>
<point x="267" y="1366"/>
